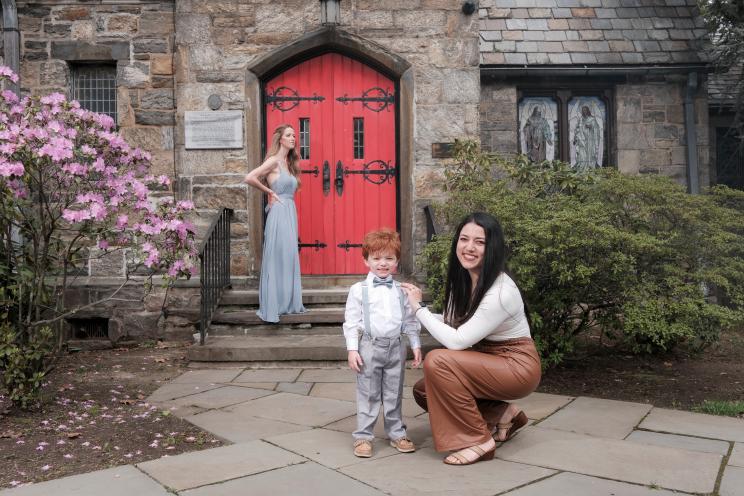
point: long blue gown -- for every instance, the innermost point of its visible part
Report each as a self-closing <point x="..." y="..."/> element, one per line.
<point x="280" y="289"/>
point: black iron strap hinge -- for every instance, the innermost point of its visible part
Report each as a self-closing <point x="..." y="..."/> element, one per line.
<point x="375" y="99"/>
<point x="285" y="98"/>
<point x="346" y="246"/>
<point x="317" y="245"/>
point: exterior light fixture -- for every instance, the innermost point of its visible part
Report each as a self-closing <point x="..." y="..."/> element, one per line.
<point x="468" y="7"/>
<point x="330" y="12"/>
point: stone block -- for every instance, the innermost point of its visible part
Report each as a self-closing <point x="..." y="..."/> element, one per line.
<point x="72" y="13"/>
<point x="303" y="410"/>
<point x="582" y="485"/>
<point x="134" y="75"/>
<point x="54" y="73"/>
<point x="311" y="477"/>
<point x="161" y="64"/>
<point x="106" y="263"/>
<point x="681" y="442"/>
<point x="433" y="480"/>
<point x="732" y="481"/>
<point x="150" y="45"/>
<point x="118" y="481"/>
<point x="461" y="86"/>
<point x="83" y="31"/>
<point x="218" y="464"/>
<point x="157" y="99"/>
<point x="192" y="29"/>
<point x="597" y="417"/>
<point x="215" y="197"/>
<point x="694" y="424"/>
<point x="156" y="23"/>
<point x="629" y="161"/>
<point x="57" y="30"/>
<point x="667" y="131"/>
<point x="629" y="110"/>
<point x="122" y="23"/>
<point x="662" y="467"/>
<point x="268" y="375"/>
<point x="220" y="397"/>
<point x="77" y="51"/>
<point x="154" y="118"/>
<point x="240" y="428"/>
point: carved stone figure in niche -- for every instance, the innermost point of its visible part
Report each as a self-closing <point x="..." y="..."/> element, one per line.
<point x="587" y="139"/>
<point x="537" y="135"/>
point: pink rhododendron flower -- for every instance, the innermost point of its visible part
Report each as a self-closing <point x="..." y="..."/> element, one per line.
<point x="8" y="73"/>
<point x="8" y="169"/>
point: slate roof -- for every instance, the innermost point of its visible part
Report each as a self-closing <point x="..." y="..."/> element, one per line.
<point x="591" y="32"/>
<point x="723" y="88"/>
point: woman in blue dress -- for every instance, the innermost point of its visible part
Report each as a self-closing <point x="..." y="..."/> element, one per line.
<point x="279" y="289"/>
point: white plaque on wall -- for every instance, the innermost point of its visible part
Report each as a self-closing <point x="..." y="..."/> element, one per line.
<point x="214" y="130"/>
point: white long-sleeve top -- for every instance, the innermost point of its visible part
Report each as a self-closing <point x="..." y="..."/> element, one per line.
<point x="499" y="316"/>
<point x="385" y="315"/>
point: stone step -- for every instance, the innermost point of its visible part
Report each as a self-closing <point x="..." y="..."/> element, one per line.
<point x="309" y="297"/>
<point x="277" y="348"/>
<point x="267" y="330"/>
<point x="248" y="317"/>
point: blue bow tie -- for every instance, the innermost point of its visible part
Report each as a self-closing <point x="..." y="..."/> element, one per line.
<point x="382" y="282"/>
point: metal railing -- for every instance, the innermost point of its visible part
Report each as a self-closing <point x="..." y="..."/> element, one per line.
<point x="432" y="226"/>
<point x="214" y="255"/>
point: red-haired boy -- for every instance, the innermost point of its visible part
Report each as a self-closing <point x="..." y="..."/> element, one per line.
<point x="378" y="311"/>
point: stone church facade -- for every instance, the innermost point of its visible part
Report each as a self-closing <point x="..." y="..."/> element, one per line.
<point x="617" y="83"/>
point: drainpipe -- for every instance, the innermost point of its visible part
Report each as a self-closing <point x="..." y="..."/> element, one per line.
<point x="11" y="40"/>
<point x="693" y="182"/>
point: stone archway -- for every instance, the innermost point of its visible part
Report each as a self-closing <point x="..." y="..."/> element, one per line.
<point x="334" y="40"/>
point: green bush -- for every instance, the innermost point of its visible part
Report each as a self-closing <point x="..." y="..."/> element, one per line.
<point x="23" y="362"/>
<point x="633" y="257"/>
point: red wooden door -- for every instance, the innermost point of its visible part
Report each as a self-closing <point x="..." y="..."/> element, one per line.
<point x="344" y="117"/>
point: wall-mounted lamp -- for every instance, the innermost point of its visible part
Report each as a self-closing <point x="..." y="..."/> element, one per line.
<point x="468" y="7"/>
<point x="330" y="12"/>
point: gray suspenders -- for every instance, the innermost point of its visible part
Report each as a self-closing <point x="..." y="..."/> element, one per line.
<point x="365" y="308"/>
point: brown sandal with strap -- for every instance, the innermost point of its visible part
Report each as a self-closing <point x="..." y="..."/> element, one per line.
<point x="462" y="460"/>
<point x="517" y="422"/>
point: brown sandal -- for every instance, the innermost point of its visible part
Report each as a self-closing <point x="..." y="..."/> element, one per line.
<point x="517" y="422"/>
<point x="461" y="460"/>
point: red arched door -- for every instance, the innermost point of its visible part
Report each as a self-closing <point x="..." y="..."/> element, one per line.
<point x="344" y="115"/>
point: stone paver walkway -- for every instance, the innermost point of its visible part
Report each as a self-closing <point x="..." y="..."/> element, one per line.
<point x="290" y="430"/>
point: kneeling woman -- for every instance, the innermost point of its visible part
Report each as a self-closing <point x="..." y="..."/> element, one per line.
<point x="490" y="356"/>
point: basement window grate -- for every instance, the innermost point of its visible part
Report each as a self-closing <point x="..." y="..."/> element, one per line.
<point x="93" y="328"/>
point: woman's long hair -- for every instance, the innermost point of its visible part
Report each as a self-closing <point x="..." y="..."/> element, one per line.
<point x="293" y="159"/>
<point x="460" y="298"/>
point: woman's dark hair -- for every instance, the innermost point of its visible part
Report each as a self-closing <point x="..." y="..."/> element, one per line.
<point x="460" y="299"/>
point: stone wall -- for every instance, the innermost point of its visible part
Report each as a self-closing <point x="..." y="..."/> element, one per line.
<point x="135" y="36"/>
<point x="650" y="135"/>
<point x="217" y="41"/>
<point x="498" y="114"/>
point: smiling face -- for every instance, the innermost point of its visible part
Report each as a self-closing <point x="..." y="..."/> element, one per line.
<point x="288" y="138"/>
<point x="471" y="247"/>
<point x="382" y="263"/>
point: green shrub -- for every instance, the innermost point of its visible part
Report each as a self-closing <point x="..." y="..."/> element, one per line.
<point x="633" y="257"/>
<point x="22" y="362"/>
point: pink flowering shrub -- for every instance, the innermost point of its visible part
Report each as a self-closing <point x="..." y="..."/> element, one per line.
<point x="70" y="186"/>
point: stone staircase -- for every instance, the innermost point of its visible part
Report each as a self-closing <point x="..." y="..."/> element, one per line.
<point x="238" y="335"/>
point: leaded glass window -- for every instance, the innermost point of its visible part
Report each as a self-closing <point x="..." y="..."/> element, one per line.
<point x="94" y="86"/>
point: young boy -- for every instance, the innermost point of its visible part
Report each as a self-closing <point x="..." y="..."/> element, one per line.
<point x="378" y="311"/>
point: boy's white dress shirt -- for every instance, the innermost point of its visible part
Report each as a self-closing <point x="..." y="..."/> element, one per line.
<point x="385" y="316"/>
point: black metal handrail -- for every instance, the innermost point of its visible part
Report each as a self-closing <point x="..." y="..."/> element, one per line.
<point x="432" y="226"/>
<point x="214" y="255"/>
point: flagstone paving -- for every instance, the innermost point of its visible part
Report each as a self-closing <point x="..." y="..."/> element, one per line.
<point x="291" y="428"/>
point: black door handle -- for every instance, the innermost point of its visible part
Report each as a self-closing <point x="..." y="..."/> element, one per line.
<point x="326" y="178"/>
<point x="339" y="178"/>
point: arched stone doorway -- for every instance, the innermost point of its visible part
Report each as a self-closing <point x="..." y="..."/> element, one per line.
<point x="396" y="69"/>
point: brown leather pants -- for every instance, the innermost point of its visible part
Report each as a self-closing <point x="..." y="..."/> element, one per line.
<point x="465" y="392"/>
